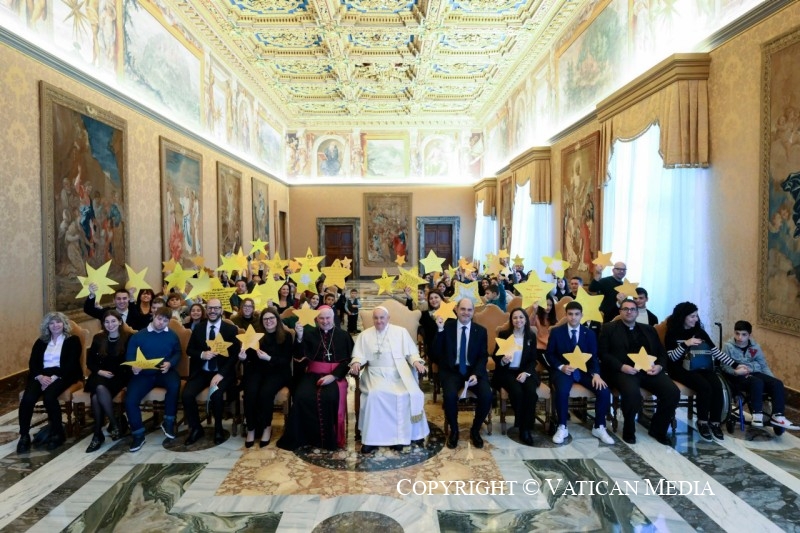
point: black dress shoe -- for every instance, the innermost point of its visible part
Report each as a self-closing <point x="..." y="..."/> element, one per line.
<point x="475" y="436"/>
<point x="114" y="432"/>
<point x="249" y="443"/>
<point x="419" y="443"/>
<point x="397" y="447"/>
<point x="24" y="444"/>
<point x="630" y="439"/>
<point x="97" y="441"/>
<point x="219" y="436"/>
<point x="663" y="439"/>
<point x="56" y="441"/>
<point x="366" y="448"/>
<point x="526" y="438"/>
<point x="195" y="435"/>
<point x="452" y="440"/>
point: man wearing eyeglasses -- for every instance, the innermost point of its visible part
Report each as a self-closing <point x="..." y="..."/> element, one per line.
<point x="621" y="339"/>
<point x="208" y="367"/>
<point x="607" y="286"/>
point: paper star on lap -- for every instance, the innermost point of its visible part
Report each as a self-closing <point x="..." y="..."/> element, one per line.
<point x="555" y="265"/>
<point x="178" y="278"/>
<point x="306" y="279"/>
<point x="310" y="261"/>
<point x="306" y="316"/>
<point x="432" y="262"/>
<point x="136" y="280"/>
<point x="400" y="260"/>
<point x="507" y="346"/>
<point x="220" y="346"/>
<point x="466" y="290"/>
<point x="577" y="359"/>
<point x="200" y="285"/>
<point x="385" y="283"/>
<point x="142" y="362"/>
<point x="591" y="305"/>
<point x="642" y="360"/>
<point x="446" y="310"/>
<point x="602" y="259"/>
<point x="336" y="274"/>
<point x="258" y="246"/>
<point x="627" y="288"/>
<point x="98" y="277"/>
<point x="249" y="338"/>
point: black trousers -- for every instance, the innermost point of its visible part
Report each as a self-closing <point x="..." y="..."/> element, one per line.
<point x="666" y="392"/>
<point x="452" y="382"/>
<point x="33" y="391"/>
<point x="195" y="386"/>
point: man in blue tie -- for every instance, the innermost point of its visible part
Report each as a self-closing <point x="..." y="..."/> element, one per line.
<point x="460" y="349"/>
<point x="563" y="340"/>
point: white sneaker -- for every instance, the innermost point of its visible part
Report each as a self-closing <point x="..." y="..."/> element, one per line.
<point x="561" y="435"/>
<point x="781" y="422"/>
<point x="758" y="420"/>
<point x="603" y="435"/>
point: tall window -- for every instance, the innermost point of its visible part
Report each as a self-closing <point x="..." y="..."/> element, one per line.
<point x="485" y="235"/>
<point x="532" y="230"/>
<point x="654" y="219"/>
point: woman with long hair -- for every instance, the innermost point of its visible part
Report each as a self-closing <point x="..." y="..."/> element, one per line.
<point x="285" y="299"/>
<point x="543" y="319"/>
<point x="197" y="313"/>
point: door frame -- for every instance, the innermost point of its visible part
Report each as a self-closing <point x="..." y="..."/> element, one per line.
<point x="455" y="222"/>
<point x="355" y="222"/>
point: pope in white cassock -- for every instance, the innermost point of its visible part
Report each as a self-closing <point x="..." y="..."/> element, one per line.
<point x="392" y="404"/>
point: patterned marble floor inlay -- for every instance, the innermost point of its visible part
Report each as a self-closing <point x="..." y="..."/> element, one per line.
<point x="358" y="521"/>
<point x="786" y="460"/>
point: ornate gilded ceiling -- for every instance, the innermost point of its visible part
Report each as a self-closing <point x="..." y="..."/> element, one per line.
<point x="381" y="62"/>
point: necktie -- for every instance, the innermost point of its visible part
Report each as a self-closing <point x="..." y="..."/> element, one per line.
<point x="212" y="363"/>
<point x="573" y="334"/>
<point x="462" y="350"/>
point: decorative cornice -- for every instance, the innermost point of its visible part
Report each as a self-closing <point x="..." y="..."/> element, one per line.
<point x="486" y="183"/>
<point x="537" y="153"/>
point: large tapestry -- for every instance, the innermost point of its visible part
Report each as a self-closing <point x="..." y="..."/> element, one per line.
<point x="388" y="230"/>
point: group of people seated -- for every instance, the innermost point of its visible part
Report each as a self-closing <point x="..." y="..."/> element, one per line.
<point x="315" y="361"/>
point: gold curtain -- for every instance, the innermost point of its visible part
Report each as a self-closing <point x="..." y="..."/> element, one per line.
<point x="534" y="166"/>
<point x="486" y="191"/>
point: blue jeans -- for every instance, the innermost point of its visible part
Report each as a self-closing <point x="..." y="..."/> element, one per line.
<point x="756" y="385"/>
<point x="138" y="387"/>
<point x="563" y="385"/>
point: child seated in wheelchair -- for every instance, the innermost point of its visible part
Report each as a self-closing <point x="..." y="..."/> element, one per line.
<point x="759" y="380"/>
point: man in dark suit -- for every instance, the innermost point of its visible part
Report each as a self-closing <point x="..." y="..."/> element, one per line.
<point x="454" y="340"/>
<point x="625" y="337"/>
<point x="209" y="368"/>
<point x="564" y="339"/>
<point x="130" y="313"/>
<point x="607" y="286"/>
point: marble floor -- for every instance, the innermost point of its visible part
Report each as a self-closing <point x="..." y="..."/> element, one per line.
<point x="750" y="481"/>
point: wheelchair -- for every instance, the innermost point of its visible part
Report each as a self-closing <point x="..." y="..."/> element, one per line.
<point x="737" y="399"/>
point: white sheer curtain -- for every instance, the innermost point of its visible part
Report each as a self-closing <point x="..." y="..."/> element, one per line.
<point x="532" y="230"/>
<point x="485" y="235"/>
<point x="655" y="220"/>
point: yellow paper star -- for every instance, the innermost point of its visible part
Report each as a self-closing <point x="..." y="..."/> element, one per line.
<point x="178" y="278"/>
<point x="264" y="292"/>
<point x="493" y="266"/>
<point x="519" y="261"/>
<point x="346" y="262"/>
<point x="136" y="280"/>
<point x="507" y="346"/>
<point x="306" y="279"/>
<point x="241" y="260"/>
<point x="400" y="260"/>
<point x="503" y="254"/>
<point x="577" y="359"/>
<point x="200" y="285"/>
<point x="98" y="277"/>
<point x="465" y="265"/>
<point x="409" y="278"/>
<point x="294" y="266"/>
<point x="306" y="316"/>
<point x="276" y="265"/>
<point x="249" y="338"/>
<point x="466" y="290"/>
<point x="432" y="262"/>
<point x="336" y="274"/>
<point x="310" y="261"/>
<point x="602" y="259"/>
<point x="168" y="266"/>
<point x="534" y="290"/>
<point x="642" y="360"/>
<point x="555" y="265"/>
<point x="591" y="305"/>
<point x="223" y="294"/>
<point x="219" y="345"/>
<point x="627" y="288"/>
<point x="451" y="271"/>
<point x="228" y="264"/>
<point x="142" y="362"/>
<point x="258" y="246"/>
<point x="446" y="310"/>
<point x="384" y="283"/>
<point x="199" y="261"/>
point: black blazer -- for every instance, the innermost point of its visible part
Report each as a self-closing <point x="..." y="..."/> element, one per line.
<point x="197" y="345"/>
<point x="69" y="368"/>
<point x="135" y="319"/>
<point x="613" y="345"/>
<point x="280" y="356"/>
<point x="527" y="362"/>
<point x="445" y="349"/>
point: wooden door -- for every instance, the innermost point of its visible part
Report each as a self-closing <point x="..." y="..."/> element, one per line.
<point x="338" y="242"/>
<point x="439" y="238"/>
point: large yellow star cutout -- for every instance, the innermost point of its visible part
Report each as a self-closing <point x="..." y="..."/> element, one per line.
<point x="178" y="278"/>
<point x="409" y="278"/>
<point x="627" y="288"/>
<point x="98" y="277"/>
<point x="384" y="283"/>
<point x="642" y="360"/>
<point x="276" y="265"/>
<point x="602" y="259"/>
<point x="249" y="338"/>
<point x="310" y="261"/>
<point x="519" y="261"/>
<point x="400" y="260"/>
<point x="555" y="265"/>
<point x="591" y="305"/>
<point x="336" y="274"/>
<point x="258" y="246"/>
<point x="446" y="310"/>
<point x="306" y="279"/>
<point x="142" y="362"/>
<point x="507" y="346"/>
<point x="451" y="271"/>
<point x="136" y="280"/>
<point x="577" y="359"/>
<point x="465" y="265"/>
<point x="533" y="290"/>
<point x="346" y="262"/>
<point x="228" y="264"/>
<point x="466" y="290"/>
<point x="493" y="266"/>
<point x="223" y="294"/>
<point x="168" y="266"/>
<point x="241" y="260"/>
<point x="432" y="262"/>
<point x="264" y="292"/>
<point x="306" y="316"/>
<point x="199" y="261"/>
<point x="503" y="254"/>
<point x="219" y="345"/>
<point x="200" y="285"/>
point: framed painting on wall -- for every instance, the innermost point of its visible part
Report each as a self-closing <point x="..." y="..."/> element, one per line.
<point x="260" y="211"/>
<point x="580" y="202"/>
<point x="388" y="228"/>
<point x="779" y="253"/>
<point x="229" y="209"/>
<point x="385" y="155"/>
<point x="84" y="175"/>
<point x="181" y="202"/>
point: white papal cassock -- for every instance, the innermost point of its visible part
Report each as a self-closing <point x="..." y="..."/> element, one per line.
<point x="392" y="404"/>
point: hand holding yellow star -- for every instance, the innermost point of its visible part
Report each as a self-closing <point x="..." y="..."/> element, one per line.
<point x="336" y="274"/>
<point x="97" y="277"/>
<point x="432" y="262"/>
<point x="602" y="259"/>
<point x="627" y="288"/>
<point x="384" y="283"/>
<point x="249" y="338"/>
<point x="507" y="346"/>
<point x="306" y="316"/>
<point x="642" y="360"/>
<point x="590" y="304"/>
<point x="400" y="260"/>
<point x="142" y="362"/>
<point x="446" y="310"/>
<point x="555" y="265"/>
<point x="220" y="346"/>
<point x="258" y="246"/>
<point x="577" y="359"/>
<point x="136" y="280"/>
